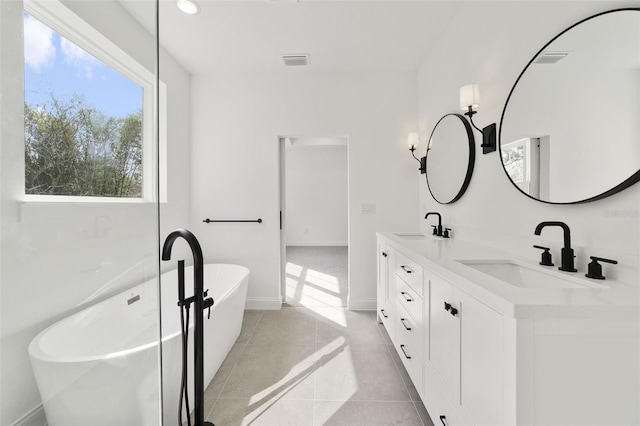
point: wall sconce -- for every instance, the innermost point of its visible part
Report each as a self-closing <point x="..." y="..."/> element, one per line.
<point x="413" y="139"/>
<point x="469" y="102"/>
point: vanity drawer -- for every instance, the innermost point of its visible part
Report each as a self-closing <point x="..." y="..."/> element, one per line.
<point x="439" y="407"/>
<point x="410" y="301"/>
<point x="409" y="271"/>
<point x="409" y="345"/>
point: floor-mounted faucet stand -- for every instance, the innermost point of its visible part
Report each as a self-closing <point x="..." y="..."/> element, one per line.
<point x="201" y="302"/>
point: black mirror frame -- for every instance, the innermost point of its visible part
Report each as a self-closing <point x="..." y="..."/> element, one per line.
<point x="470" y="164"/>
<point x="633" y="179"/>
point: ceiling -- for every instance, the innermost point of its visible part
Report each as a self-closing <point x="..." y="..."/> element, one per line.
<point x="339" y="35"/>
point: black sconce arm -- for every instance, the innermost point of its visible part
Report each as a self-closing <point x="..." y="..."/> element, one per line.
<point x="488" y="133"/>
<point x="412" y="149"/>
<point x="470" y="115"/>
<point x="422" y="161"/>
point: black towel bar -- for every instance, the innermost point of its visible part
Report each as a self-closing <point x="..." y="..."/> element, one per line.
<point x="207" y="220"/>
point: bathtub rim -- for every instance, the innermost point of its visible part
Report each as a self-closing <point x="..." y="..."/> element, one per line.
<point x="39" y="355"/>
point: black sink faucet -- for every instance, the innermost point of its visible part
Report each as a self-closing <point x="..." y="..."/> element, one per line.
<point x="567" y="251"/>
<point x="438" y="230"/>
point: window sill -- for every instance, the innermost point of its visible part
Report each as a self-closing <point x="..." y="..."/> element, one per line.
<point x="67" y="199"/>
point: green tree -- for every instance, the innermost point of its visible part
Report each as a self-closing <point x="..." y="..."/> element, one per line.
<point x="74" y="149"/>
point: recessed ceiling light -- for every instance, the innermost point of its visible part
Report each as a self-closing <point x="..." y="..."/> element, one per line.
<point x="190" y="7"/>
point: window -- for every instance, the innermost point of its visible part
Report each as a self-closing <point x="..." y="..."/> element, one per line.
<point x="521" y="159"/>
<point x="88" y="112"/>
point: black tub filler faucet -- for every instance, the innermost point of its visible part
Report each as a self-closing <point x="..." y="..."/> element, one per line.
<point x="201" y="302"/>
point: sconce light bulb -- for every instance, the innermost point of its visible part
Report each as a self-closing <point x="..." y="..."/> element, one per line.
<point x="413" y="139"/>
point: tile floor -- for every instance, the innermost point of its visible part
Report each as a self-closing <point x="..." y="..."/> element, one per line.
<point x="317" y="276"/>
<point x="313" y="365"/>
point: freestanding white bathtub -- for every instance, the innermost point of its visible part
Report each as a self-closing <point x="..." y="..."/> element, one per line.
<point x="99" y="366"/>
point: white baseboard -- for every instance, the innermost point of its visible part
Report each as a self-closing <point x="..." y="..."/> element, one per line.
<point x="362" y="304"/>
<point x="318" y="243"/>
<point x="263" y="303"/>
<point x="34" y="417"/>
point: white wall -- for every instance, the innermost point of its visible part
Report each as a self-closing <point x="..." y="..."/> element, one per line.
<point x="316" y="196"/>
<point x="60" y="257"/>
<point x="505" y="37"/>
<point x="236" y="121"/>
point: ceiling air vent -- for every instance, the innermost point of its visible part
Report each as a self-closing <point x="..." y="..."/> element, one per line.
<point x="296" y="60"/>
<point x="550" y="57"/>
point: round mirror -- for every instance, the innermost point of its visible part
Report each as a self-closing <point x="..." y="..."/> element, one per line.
<point x="570" y="129"/>
<point x="451" y="154"/>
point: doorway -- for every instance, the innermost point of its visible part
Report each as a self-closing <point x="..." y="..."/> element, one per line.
<point x="314" y="221"/>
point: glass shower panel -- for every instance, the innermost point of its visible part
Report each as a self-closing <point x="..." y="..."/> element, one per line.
<point x="79" y="179"/>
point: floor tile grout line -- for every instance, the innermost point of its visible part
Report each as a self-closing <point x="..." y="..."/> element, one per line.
<point x="255" y="326"/>
<point x="215" y="402"/>
<point x="239" y="398"/>
<point x="227" y="379"/>
<point x="376" y="401"/>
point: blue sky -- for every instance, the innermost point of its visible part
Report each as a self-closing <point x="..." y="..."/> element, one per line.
<point x="54" y="64"/>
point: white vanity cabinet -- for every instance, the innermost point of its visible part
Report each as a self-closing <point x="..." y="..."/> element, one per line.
<point x="464" y="369"/>
<point x="482" y="352"/>
<point x="386" y="289"/>
<point x="450" y="343"/>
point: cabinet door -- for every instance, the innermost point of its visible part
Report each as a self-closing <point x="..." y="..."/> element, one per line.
<point x="481" y="361"/>
<point x="385" y="292"/>
<point x="444" y="336"/>
<point x="383" y="278"/>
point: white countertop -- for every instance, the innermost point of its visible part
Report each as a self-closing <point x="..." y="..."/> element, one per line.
<point x="441" y="256"/>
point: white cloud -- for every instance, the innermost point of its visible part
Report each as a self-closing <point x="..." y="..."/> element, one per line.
<point x="79" y="58"/>
<point x="39" y="51"/>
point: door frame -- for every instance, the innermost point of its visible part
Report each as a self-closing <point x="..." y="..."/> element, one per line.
<point x="282" y="141"/>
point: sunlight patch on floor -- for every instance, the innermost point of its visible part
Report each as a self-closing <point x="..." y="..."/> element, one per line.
<point x="299" y="292"/>
<point x="328" y="282"/>
<point x="337" y="356"/>
<point x="308" y="287"/>
<point x="337" y="315"/>
<point x="293" y="269"/>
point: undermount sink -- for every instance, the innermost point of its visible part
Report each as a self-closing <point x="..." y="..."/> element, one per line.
<point x="413" y="236"/>
<point x="521" y="275"/>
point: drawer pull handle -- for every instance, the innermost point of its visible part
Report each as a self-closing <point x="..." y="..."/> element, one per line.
<point x="447" y="306"/>
<point x="406" y="296"/>
<point x="383" y="314"/>
<point x="406" y="269"/>
<point x="404" y="352"/>
<point x="385" y="254"/>
<point x="402" y="320"/>
<point x="442" y="419"/>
